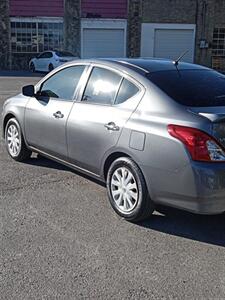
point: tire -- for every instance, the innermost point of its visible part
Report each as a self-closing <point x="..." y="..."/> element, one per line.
<point x="127" y="190"/>
<point x="50" y="67"/>
<point x="14" y="140"/>
<point x="32" y="68"/>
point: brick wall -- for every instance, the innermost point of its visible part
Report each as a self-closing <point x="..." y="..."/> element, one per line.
<point x="134" y="28"/>
<point x="72" y="25"/>
<point x="169" y="11"/>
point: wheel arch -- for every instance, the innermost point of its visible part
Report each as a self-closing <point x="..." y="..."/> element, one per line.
<point x="111" y="158"/>
<point x="122" y="153"/>
<point x="5" y="121"/>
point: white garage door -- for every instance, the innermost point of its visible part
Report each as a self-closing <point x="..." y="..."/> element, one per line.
<point x="171" y="43"/>
<point x="103" y="43"/>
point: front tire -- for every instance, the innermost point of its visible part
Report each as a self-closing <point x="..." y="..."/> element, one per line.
<point x="127" y="190"/>
<point x="14" y="140"/>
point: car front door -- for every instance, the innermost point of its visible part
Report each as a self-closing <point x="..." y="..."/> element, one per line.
<point x="39" y="62"/>
<point x="96" y="122"/>
<point x="47" y="114"/>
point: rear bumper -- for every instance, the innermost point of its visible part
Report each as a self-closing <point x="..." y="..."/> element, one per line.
<point x="198" y="187"/>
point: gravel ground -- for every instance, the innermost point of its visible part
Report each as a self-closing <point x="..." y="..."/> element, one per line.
<point x="59" y="238"/>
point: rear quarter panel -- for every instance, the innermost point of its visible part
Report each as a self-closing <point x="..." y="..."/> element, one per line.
<point x="163" y="160"/>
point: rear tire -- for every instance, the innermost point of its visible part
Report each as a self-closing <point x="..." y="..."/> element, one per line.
<point x="127" y="190"/>
<point x="14" y="140"/>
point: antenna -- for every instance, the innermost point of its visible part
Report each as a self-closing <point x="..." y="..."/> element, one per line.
<point x="176" y="62"/>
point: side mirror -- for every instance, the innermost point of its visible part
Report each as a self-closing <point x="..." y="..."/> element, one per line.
<point x="28" y="91"/>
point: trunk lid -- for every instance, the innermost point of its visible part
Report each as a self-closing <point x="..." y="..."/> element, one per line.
<point x="216" y="115"/>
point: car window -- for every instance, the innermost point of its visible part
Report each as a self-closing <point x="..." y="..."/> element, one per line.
<point x="126" y="91"/>
<point x="45" y="55"/>
<point x="42" y="55"/>
<point x="102" y="86"/>
<point x="48" y="55"/>
<point x="62" y="85"/>
<point x="201" y="88"/>
<point x="63" y="54"/>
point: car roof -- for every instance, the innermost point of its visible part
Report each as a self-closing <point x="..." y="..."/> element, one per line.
<point x="149" y="65"/>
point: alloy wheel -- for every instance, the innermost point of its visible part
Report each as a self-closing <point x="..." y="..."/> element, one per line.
<point x="124" y="189"/>
<point x="13" y="140"/>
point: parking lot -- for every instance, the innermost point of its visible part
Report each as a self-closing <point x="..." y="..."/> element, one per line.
<point x="60" y="239"/>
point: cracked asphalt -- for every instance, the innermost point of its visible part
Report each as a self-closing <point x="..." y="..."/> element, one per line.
<point x="59" y="238"/>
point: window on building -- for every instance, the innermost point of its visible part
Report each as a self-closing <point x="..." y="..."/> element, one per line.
<point x="218" y="46"/>
<point x="34" y="37"/>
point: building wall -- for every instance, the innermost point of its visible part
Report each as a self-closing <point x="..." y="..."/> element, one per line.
<point x="205" y="14"/>
<point x="134" y="28"/>
<point x="32" y="8"/>
<point x="104" y="9"/>
<point x="166" y="11"/>
<point x="211" y="16"/>
<point x="72" y="26"/>
<point x="4" y="34"/>
<point x="169" y="11"/>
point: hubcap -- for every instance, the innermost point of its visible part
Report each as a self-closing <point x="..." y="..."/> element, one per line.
<point x="124" y="189"/>
<point x="13" y="140"/>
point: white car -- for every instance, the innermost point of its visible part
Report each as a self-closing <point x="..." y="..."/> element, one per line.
<point x="49" y="60"/>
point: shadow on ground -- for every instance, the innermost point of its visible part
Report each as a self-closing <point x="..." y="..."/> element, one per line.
<point x="207" y="229"/>
<point x="41" y="161"/>
<point x="202" y="228"/>
<point x="21" y="74"/>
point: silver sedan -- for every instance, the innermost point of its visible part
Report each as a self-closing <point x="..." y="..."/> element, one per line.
<point x="153" y="130"/>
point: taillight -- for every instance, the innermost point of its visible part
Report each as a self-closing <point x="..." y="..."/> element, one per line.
<point x="200" y="145"/>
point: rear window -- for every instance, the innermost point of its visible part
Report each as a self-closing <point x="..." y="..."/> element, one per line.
<point x="126" y="91"/>
<point x="192" y="87"/>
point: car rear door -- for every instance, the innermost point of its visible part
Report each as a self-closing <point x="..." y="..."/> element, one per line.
<point x="46" y="60"/>
<point x="96" y="121"/>
<point x="39" y="62"/>
<point x="46" y="116"/>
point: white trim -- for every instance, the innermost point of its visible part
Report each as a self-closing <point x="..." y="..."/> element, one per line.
<point x="37" y="19"/>
<point x="104" y="24"/>
<point x="148" y="35"/>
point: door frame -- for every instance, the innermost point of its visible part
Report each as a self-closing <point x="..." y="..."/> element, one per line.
<point x="148" y="36"/>
<point x="104" y="24"/>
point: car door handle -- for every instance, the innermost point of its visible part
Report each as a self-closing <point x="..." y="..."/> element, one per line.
<point x="112" y="126"/>
<point x="58" y="115"/>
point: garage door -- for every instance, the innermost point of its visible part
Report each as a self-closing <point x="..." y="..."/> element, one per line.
<point x="103" y="43"/>
<point x="171" y="43"/>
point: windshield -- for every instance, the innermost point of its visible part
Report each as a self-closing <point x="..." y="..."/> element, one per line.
<point x="63" y="53"/>
<point x="192" y="87"/>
